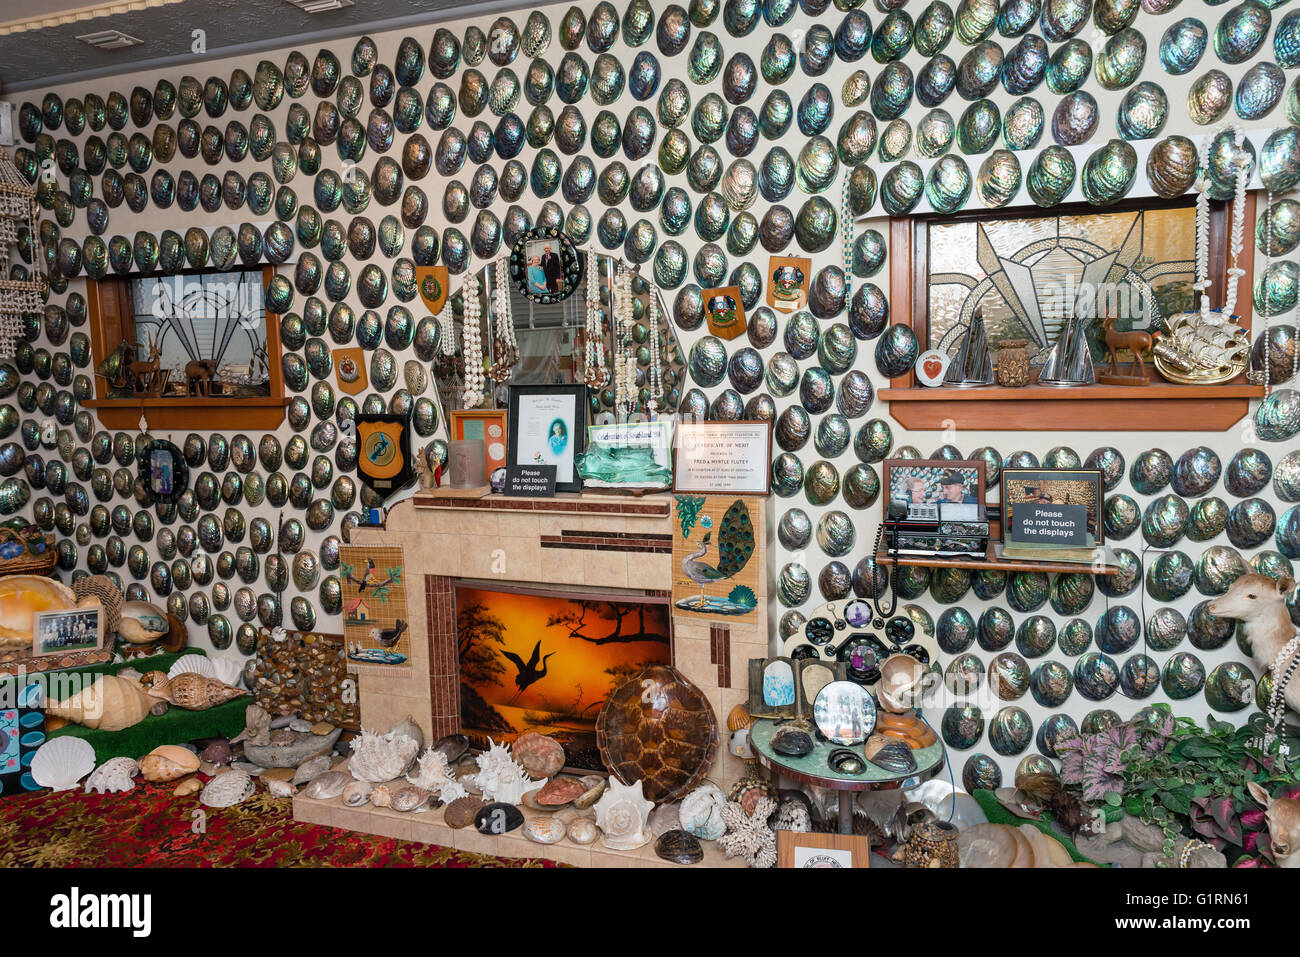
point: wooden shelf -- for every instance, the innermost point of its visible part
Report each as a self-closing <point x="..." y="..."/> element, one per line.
<point x="263" y="413"/>
<point x="1160" y="406"/>
<point x="991" y="562"/>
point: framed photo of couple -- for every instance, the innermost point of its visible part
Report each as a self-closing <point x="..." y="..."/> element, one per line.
<point x="930" y="486"/>
<point x="544" y="266"/>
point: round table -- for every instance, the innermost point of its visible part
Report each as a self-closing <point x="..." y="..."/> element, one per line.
<point x="813" y="769"/>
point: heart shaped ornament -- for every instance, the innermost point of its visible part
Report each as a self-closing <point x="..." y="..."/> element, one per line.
<point x="930" y="367"/>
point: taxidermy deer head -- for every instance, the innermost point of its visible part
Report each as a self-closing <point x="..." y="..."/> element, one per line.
<point x="1259" y="603"/>
<point x="1283" y="816"/>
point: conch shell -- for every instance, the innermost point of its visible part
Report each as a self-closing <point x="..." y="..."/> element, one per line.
<point x="168" y="762"/>
<point x="21" y="597"/>
<point x="381" y="757"/>
<point x="111" y="704"/>
<point x="190" y="690"/>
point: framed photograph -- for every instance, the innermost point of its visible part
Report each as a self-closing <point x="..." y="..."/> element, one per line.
<point x="814" y="675"/>
<point x="724" y="458"/>
<point x="936" y="488"/>
<point x="489" y="425"/>
<point x="1052" y="508"/>
<point x="162" y="469"/>
<point x="547" y="425"/>
<point x="771" y="687"/>
<point x="815" y="850"/>
<point x="544" y="265"/>
<point x="629" y="455"/>
<point x="63" y="632"/>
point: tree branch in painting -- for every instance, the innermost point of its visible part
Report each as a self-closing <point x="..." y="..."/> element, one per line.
<point x="614" y="613"/>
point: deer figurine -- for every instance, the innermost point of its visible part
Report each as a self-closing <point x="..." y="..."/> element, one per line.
<point x="144" y="375"/>
<point x="1138" y="342"/>
<point x="1259" y="603"/>
<point x="1283" y="816"/>
<point x="198" y="376"/>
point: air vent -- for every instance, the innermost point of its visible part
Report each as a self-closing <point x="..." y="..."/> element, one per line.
<point x="109" y="40"/>
<point x="319" y="6"/>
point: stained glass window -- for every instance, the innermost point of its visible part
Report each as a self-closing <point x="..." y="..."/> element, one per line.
<point x="1030" y="274"/>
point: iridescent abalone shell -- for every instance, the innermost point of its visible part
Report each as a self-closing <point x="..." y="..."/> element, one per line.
<point x="1170" y="576"/>
<point x="999" y="178"/>
<point x="1096" y="676"/>
<point x="1183" y="676"/>
<point x="1172" y="166"/>
<point x="1207" y="519"/>
<point x="996" y="629"/>
<point x="1109" y="173"/>
<point x="948" y="184"/>
<point x="1151" y="471"/>
<point x="1050" y="177"/>
<point x="1241" y="31"/>
<point x="1127" y="580"/>
<point x="1164" y="521"/>
<point x="979" y="127"/>
<point x="1069" y="66"/>
<point x="1010" y="730"/>
<point x="1209" y="98"/>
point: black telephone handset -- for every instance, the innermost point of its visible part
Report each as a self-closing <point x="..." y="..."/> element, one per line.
<point x="895" y="513"/>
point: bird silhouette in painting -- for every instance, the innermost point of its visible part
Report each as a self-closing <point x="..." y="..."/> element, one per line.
<point x="387" y="637"/>
<point x="527" y="673"/>
<point x="735" y="546"/>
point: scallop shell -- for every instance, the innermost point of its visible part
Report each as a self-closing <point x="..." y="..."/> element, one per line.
<point x="113" y="776"/>
<point x="60" y="763"/>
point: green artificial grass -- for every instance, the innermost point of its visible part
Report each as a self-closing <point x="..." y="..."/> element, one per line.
<point x="174" y="727"/>
<point x="997" y="814"/>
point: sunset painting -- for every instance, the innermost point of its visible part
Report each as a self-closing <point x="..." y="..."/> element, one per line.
<point x="532" y="661"/>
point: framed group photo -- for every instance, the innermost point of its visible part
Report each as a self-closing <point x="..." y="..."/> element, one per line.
<point x="68" y="631"/>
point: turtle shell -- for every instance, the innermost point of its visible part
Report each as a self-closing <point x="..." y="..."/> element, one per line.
<point x="666" y="739"/>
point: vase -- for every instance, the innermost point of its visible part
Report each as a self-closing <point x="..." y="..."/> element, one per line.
<point x="1013" y="363"/>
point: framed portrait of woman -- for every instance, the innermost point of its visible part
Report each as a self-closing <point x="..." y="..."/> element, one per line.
<point x="548" y="426"/>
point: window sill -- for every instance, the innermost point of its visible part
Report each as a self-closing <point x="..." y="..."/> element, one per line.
<point x="262" y="413"/>
<point x="1160" y="406"/>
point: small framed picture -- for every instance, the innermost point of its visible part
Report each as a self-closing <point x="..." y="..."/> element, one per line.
<point x="161" y="467"/>
<point x="488" y="425"/>
<point x="936" y="489"/>
<point x="815" y="850"/>
<point x="771" y="687"/>
<point x="545" y="266"/>
<point x="65" y="632"/>
<point x="548" y="426"/>
<point x="1052" y="508"/>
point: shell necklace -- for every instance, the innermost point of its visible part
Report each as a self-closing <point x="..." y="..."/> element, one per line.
<point x="473" y="347"/>
<point x="656" y="376"/>
<point x="1264" y="374"/>
<point x="505" y="349"/>
<point x="624" y="354"/>
<point x="594" y="372"/>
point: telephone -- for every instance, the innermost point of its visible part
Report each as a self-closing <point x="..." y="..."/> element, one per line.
<point x="895" y="514"/>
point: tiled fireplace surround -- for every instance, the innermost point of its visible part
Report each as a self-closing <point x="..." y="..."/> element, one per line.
<point x="587" y="542"/>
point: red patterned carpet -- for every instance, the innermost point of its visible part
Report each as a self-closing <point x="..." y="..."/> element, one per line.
<point x="147" y="827"/>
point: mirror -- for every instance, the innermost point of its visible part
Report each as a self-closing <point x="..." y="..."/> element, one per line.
<point x="845" y="713"/>
<point x="552" y="341"/>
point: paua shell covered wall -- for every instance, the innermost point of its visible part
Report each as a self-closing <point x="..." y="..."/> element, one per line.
<point x="695" y="140"/>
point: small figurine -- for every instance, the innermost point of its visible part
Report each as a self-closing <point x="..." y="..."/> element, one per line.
<point x="198" y="376"/>
<point x="1138" y="342"/>
<point x="145" y="375"/>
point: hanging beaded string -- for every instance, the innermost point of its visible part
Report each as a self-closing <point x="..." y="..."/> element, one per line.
<point x="656" y="376"/>
<point x="846" y="227"/>
<point x="473" y="347"/>
<point x="1264" y="375"/>
<point x="624" y="355"/>
<point x="1203" y="283"/>
<point x="594" y="373"/>
<point x="1235" y="272"/>
<point x="446" y="329"/>
<point x="1289" y="658"/>
<point x="505" y="348"/>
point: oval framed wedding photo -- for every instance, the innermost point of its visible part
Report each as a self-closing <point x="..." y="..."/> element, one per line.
<point x="544" y="266"/>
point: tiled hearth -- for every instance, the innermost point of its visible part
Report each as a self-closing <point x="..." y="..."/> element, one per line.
<point x="588" y="542"/>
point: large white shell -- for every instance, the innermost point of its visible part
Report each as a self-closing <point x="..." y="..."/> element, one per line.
<point x="381" y="757"/>
<point x="701" y="812"/>
<point x="199" y="664"/>
<point x="432" y="773"/>
<point x="142" y="622"/>
<point x="622" y="814"/>
<point x="227" y="671"/>
<point x="114" y="775"/>
<point x="227" y="789"/>
<point x="60" y="763"/>
<point x="500" y="777"/>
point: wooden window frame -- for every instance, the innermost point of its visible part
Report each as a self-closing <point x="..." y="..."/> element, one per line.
<point x="1157" y="406"/>
<point x="112" y="319"/>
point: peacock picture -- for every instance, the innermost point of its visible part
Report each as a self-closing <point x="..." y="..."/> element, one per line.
<point x="735" y="546"/>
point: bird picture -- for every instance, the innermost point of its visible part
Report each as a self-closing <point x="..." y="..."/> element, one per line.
<point x="387" y="637"/>
<point x="365" y="580"/>
<point x="529" y="673"/>
<point x="735" y="546"/>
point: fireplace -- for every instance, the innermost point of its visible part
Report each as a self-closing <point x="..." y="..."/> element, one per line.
<point x="589" y="547"/>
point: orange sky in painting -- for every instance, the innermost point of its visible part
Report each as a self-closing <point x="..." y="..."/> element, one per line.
<point x="575" y="661"/>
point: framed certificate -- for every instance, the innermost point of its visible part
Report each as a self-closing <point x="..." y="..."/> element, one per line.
<point x="729" y="458"/>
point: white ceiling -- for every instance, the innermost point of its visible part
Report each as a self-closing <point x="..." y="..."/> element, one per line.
<point x="36" y="59"/>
